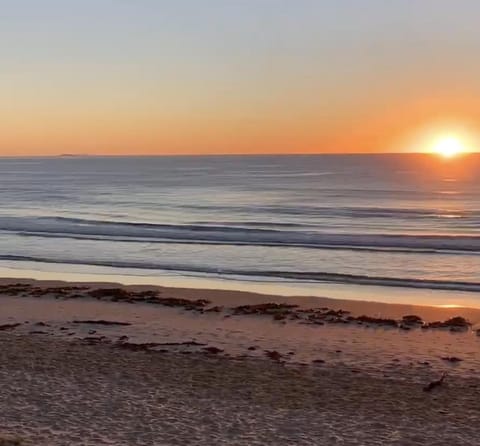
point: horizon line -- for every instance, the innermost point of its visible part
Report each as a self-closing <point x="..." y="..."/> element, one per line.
<point x="171" y="155"/>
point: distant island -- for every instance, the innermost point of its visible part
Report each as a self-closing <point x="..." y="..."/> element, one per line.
<point x="71" y="155"/>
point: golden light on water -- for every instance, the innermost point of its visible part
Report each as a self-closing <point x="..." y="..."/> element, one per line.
<point x="450" y="306"/>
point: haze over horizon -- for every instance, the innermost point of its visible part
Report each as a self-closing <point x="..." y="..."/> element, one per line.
<point x="218" y="77"/>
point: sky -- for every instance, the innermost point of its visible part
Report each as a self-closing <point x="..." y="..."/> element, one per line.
<point x="235" y="76"/>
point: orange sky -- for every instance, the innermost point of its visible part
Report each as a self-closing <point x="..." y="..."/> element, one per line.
<point x="252" y="77"/>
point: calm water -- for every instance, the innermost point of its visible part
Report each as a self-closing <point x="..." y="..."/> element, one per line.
<point x="393" y="220"/>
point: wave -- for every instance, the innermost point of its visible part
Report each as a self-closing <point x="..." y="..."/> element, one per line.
<point x="234" y="235"/>
<point x="240" y="243"/>
<point x="347" y="211"/>
<point x="297" y="276"/>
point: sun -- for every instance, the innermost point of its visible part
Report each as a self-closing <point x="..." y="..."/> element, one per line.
<point x="449" y="147"/>
<point x="447" y="140"/>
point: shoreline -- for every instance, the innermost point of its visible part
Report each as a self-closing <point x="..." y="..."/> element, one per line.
<point x="101" y="364"/>
<point x="376" y="293"/>
<point x="226" y="297"/>
<point x="303" y="330"/>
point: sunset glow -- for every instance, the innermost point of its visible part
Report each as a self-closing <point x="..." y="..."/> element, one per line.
<point x="246" y="77"/>
<point x="449" y="147"/>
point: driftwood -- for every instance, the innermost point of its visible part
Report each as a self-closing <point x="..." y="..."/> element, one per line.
<point x="434" y="384"/>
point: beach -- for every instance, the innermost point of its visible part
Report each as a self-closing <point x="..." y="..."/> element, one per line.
<point x="240" y="223"/>
<point x="100" y="363"/>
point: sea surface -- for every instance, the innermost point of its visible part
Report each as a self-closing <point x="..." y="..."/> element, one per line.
<point x="391" y="220"/>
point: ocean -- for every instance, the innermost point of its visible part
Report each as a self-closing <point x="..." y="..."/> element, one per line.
<point x="408" y="221"/>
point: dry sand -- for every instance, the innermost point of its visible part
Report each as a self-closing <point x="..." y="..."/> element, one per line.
<point x="58" y="390"/>
<point x="58" y="393"/>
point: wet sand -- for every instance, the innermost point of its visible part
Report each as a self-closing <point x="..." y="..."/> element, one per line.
<point x="231" y="297"/>
<point x="65" y="382"/>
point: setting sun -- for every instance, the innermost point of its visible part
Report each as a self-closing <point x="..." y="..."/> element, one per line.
<point x="449" y="147"/>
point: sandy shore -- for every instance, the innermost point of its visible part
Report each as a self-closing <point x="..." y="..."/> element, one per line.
<point x="230" y="297"/>
<point x="173" y="375"/>
<point x="57" y="393"/>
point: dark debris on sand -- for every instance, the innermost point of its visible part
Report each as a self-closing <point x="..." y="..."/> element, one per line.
<point x="104" y="294"/>
<point x="148" y="296"/>
<point x="278" y="312"/>
<point x="5" y="327"/>
<point x="101" y="322"/>
<point x="321" y="316"/>
<point x="455" y="323"/>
